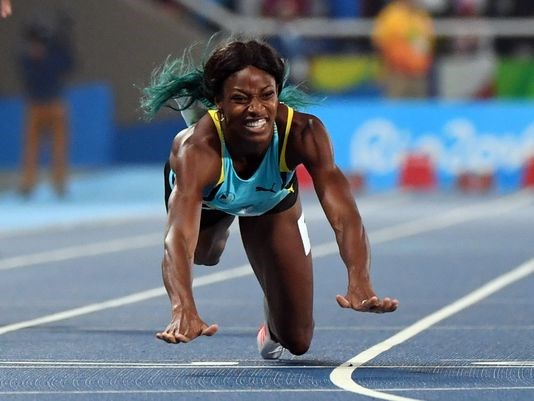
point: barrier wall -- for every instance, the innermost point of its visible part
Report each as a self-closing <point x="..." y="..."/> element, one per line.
<point x="95" y="139"/>
<point x="379" y="144"/>
<point x="91" y="127"/>
<point x="429" y="144"/>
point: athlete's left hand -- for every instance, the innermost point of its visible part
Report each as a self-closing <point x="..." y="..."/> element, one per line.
<point x="365" y="300"/>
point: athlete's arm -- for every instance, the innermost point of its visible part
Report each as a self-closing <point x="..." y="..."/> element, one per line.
<point x="5" y="8"/>
<point x="334" y="193"/>
<point x="194" y="165"/>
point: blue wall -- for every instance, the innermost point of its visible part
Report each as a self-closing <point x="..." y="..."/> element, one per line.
<point x="90" y="123"/>
<point x="146" y="143"/>
<point x="371" y="138"/>
<point x="95" y="140"/>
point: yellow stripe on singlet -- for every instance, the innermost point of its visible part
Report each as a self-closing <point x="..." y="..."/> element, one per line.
<point x="215" y="117"/>
<point x="283" y="164"/>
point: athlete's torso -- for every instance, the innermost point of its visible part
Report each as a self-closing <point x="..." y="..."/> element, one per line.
<point x="259" y="193"/>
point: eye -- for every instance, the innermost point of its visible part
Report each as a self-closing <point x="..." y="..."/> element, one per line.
<point x="267" y="95"/>
<point x="239" y="99"/>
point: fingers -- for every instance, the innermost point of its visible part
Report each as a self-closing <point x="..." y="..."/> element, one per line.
<point x="174" y="337"/>
<point x="171" y="338"/>
<point x="210" y="330"/>
<point x="343" y="302"/>
<point x="372" y="304"/>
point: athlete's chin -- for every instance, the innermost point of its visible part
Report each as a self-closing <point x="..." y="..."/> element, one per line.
<point x="257" y="135"/>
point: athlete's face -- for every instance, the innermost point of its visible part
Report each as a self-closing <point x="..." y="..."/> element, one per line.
<point x="249" y="105"/>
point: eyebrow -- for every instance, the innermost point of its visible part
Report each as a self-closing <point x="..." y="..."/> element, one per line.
<point x="267" y="87"/>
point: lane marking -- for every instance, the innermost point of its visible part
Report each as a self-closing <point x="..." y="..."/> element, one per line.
<point x="236" y="272"/>
<point x="386" y="234"/>
<point x="102" y="221"/>
<point x="79" y="251"/>
<point x="342" y="376"/>
<point x="217" y="365"/>
<point x="257" y="390"/>
<point x="314" y="213"/>
<point x="504" y="364"/>
<point x="453" y="217"/>
<point x="370" y="201"/>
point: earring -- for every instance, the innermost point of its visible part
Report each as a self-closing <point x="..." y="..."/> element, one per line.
<point x="220" y="115"/>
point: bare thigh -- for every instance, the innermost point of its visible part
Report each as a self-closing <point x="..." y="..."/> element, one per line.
<point x="214" y="232"/>
<point x="275" y="249"/>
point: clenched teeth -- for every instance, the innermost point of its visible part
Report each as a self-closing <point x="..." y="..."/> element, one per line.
<point x="256" y="123"/>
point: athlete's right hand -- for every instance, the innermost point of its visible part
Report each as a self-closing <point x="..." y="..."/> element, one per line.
<point x="186" y="327"/>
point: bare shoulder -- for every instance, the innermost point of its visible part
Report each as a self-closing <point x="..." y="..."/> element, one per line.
<point x="308" y="139"/>
<point x="195" y="153"/>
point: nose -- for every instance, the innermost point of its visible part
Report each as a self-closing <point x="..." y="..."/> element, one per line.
<point x="255" y="105"/>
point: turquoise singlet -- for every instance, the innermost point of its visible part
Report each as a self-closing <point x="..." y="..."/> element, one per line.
<point x="256" y="195"/>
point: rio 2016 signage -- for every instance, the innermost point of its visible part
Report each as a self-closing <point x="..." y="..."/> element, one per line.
<point x="374" y="138"/>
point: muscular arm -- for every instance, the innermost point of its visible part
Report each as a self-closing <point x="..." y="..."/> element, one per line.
<point x="194" y="166"/>
<point x="334" y="193"/>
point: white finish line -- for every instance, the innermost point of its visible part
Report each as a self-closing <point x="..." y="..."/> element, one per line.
<point x="342" y="376"/>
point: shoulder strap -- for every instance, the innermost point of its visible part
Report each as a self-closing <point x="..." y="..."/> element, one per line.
<point x="215" y="117"/>
<point x="283" y="164"/>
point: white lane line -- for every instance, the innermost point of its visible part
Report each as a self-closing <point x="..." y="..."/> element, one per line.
<point x="120" y="365"/>
<point x="313" y="213"/>
<point x="257" y="390"/>
<point x="179" y="391"/>
<point x="453" y="217"/>
<point x="85" y="223"/>
<point x="236" y="272"/>
<point x="41" y="364"/>
<point x="504" y="364"/>
<point x="367" y="202"/>
<point x="245" y="270"/>
<point x="342" y="376"/>
<point x="79" y="251"/>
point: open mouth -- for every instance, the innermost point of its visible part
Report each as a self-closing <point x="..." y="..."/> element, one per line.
<point x="256" y="124"/>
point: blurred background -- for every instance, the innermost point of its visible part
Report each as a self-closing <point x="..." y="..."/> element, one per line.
<point x="450" y="109"/>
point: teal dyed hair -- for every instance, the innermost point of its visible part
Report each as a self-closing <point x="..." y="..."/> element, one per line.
<point x="186" y="83"/>
<point x="177" y="79"/>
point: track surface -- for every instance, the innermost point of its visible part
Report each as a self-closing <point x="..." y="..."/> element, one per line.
<point x="81" y="297"/>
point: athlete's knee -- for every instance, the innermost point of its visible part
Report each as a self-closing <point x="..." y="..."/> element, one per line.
<point x="209" y="254"/>
<point x="299" y="340"/>
<point x="207" y="257"/>
<point x="206" y="260"/>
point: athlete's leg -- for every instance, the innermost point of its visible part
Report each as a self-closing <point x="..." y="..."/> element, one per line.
<point x="214" y="228"/>
<point x="30" y="159"/>
<point x="58" y="120"/>
<point x="278" y="251"/>
<point x="214" y="231"/>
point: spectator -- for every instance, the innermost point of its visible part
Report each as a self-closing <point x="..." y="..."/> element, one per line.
<point x="288" y="39"/>
<point x="45" y="61"/>
<point x="403" y="34"/>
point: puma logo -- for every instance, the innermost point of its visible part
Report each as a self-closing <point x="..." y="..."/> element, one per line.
<point x="262" y="189"/>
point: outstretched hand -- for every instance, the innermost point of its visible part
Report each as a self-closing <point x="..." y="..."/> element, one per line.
<point x="182" y="330"/>
<point x="371" y="304"/>
<point x="5" y="8"/>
